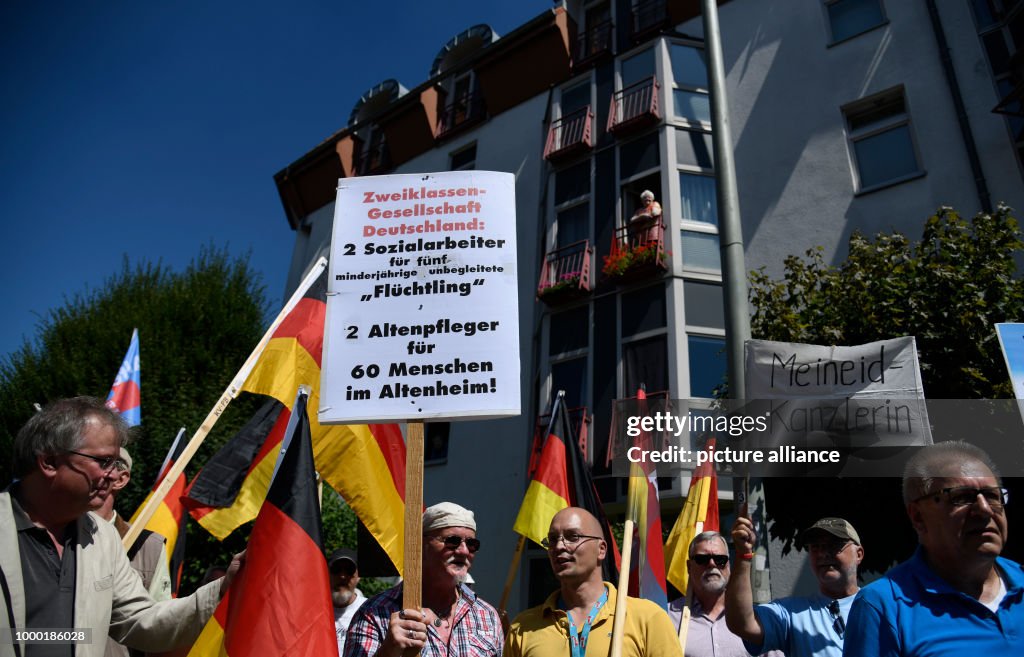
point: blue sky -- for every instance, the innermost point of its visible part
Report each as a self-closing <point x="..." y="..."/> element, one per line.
<point x="150" y="129"/>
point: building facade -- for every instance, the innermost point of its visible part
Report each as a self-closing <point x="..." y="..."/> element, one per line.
<point x="846" y="115"/>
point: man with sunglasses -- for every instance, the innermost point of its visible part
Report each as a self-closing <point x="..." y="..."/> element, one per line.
<point x="577" y="618"/>
<point x="813" y="626"/>
<point x="63" y="568"/>
<point x="453" y="621"/>
<point x="707" y="634"/>
<point x="956" y="595"/>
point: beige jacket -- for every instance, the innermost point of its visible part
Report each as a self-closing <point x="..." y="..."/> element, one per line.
<point x="109" y="596"/>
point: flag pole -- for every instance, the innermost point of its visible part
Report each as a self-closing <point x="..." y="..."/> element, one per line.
<point x="412" y="557"/>
<point x="619" y="625"/>
<point x="513" y="568"/>
<point x="229" y="393"/>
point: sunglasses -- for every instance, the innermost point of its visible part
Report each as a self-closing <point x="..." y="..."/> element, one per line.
<point x="105" y="462"/>
<point x="837" y="623"/>
<point x="453" y="542"/>
<point x="704" y="559"/>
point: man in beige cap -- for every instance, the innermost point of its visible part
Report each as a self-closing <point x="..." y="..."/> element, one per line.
<point x="799" y="626"/>
<point x="453" y="621"/>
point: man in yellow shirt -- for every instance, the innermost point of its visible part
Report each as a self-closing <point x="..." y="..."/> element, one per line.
<point x="579" y="616"/>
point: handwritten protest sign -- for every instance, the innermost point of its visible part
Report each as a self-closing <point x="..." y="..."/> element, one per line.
<point x="868" y="394"/>
<point x="422" y="306"/>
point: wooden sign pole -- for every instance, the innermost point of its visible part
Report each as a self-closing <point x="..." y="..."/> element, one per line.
<point x="412" y="557"/>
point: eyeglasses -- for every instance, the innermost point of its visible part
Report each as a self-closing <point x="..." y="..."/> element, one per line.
<point x="959" y="496"/>
<point x="838" y="624"/>
<point x="105" y="462"/>
<point x="571" y="539"/>
<point x="704" y="559"/>
<point x="453" y="542"/>
<point x="828" y="547"/>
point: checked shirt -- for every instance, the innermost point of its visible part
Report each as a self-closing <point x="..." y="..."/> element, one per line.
<point x="476" y="629"/>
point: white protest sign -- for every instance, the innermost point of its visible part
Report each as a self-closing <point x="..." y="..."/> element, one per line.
<point x="422" y="304"/>
<point x="872" y="391"/>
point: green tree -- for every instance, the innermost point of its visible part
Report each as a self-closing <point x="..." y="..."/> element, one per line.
<point x="196" y="328"/>
<point x="948" y="290"/>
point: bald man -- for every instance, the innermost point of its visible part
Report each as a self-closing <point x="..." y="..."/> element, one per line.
<point x="581" y="613"/>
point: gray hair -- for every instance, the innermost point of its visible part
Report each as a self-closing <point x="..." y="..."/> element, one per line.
<point x="59" y="428"/>
<point x="704" y="537"/>
<point x="646" y="194"/>
<point x="933" y="461"/>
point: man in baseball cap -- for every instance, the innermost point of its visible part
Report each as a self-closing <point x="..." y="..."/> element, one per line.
<point x="345" y="594"/>
<point x="799" y="626"/>
<point x="453" y="620"/>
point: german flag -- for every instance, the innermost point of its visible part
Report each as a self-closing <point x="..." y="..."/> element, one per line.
<point x="230" y="488"/>
<point x="169" y="518"/>
<point x="699" y="514"/>
<point x="562" y="479"/>
<point x="364" y="463"/>
<point x="280" y="602"/>
<point x="647" y="572"/>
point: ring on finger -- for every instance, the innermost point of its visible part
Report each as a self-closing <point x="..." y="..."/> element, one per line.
<point x="411" y="634"/>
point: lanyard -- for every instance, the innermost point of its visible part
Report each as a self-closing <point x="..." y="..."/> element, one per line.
<point x="578" y="641"/>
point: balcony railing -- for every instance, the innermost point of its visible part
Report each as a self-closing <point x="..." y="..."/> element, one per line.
<point x="635" y="106"/>
<point x="464" y="111"/>
<point x="649" y="17"/>
<point x="638" y="251"/>
<point x="594" y="42"/>
<point x="579" y="418"/>
<point x="566" y="273"/>
<point x="618" y="443"/>
<point x="570" y="134"/>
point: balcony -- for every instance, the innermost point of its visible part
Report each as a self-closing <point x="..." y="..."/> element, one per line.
<point x="462" y="113"/>
<point x="580" y="420"/>
<point x="618" y="443"/>
<point x="565" y="274"/>
<point x="593" y="43"/>
<point x="634" y="107"/>
<point x="648" y="18"/>
<point x="570" y="135"/>
<point x="638" y="252"/>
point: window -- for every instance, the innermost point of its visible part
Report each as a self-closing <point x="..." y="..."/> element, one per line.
<point x="698" y="198"/>
<point x="707" y="364"/>
<point x="704" y="304"/>
<point x="701" y="251"/>
<point x="690" y="84"/>
<point x="569" y="340"/>
<point x="848" y="18"/>
<point x="435" y="443"/>
<point x="881" y="141"/>
<point x="643" y="317"/>
<point x="572" y="204"/>
<point x="637" y="68"/>
<point x="1001" y="29"/>
<point x="465" y="159"/>
<point x="694" y="149"/>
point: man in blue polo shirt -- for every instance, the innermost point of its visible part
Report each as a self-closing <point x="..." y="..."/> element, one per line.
<point x="956" y="595"/>
<point x="812" y="626"/>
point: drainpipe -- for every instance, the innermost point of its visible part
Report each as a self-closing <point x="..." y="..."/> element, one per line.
<point x="961" y="112"/>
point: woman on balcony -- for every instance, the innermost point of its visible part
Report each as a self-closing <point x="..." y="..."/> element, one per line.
<point x="645" y="224"/>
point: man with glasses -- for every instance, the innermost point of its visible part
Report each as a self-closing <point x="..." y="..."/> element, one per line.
<point x="577" y="619"/>
<point x="707" y="634"/>
<point x="63" y="568"/>
<point x="345" y="594"/>
<point x="454" y="621"/>
<point x="798" y="626"/>
<point x="955" y="595"/>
